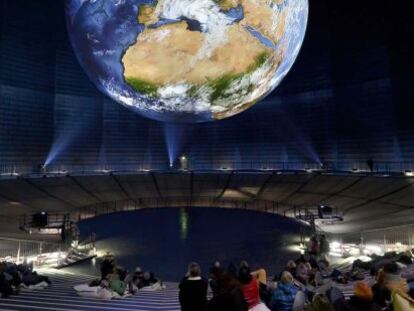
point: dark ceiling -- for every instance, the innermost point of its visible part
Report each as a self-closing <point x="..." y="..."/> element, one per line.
<point x="365" y="201"/>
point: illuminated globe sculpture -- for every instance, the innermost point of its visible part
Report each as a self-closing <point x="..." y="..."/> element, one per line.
<point x="187" y="60"/>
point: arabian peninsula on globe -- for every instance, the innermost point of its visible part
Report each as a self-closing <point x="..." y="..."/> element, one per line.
<point x="187" y="60"/>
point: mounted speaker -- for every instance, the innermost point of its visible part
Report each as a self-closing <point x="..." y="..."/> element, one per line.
<point x="40" y="220"/>
<point x="324" y="211"/>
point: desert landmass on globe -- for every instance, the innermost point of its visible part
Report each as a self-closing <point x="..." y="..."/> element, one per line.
<point x="169" y="55"/>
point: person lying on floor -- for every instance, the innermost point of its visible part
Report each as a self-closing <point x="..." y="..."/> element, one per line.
<point x="146" y="281"/>
<point x="13" y="277"/>
<point x="112" y="286"/>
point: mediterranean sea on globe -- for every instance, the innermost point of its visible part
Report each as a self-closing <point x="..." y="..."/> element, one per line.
<point x="187" y="60"/>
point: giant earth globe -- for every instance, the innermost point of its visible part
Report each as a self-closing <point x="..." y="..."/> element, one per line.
<point x="187" y="60"/>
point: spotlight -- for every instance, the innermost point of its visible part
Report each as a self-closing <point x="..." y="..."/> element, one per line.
<point x="184" y="162"/>
<point x="409" y="173"/>
<point x="42" y="168"/>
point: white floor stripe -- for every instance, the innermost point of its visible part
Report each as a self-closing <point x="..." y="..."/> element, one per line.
<point x="74" y="295"/>
<point x="113" y="302"/>
<point x="68" y="305"/>
<point x="61" y="296"/>
<point x="30" y="307"/>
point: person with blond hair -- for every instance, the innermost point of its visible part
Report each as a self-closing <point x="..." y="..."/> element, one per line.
<point x="284" y="295"/>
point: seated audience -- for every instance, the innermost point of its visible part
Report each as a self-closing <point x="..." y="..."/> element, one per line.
<point x="150" y="283"/>
<point x="215" y="273"/>
<point x="14" y="277"/>
<point x="284" y="295"/>
<point x="31" y="278"/>
<point x="232" y="269"/>
<point x="228" y="296"/>
<point x="301" y="273"/>
<point x="107" y="265"/>
<point x="388" y="280"/>
<point x="140" y="280"/>
<point x="193" y="290"/>
<point x="362" y="299"/>
<point x="6" y="288"/>
<point x="324" y="268"/>
<point x="133" y="280"/>
<point x="250" y="288"/>
<point x="116" y="282"/>
<point x="320" y="303"/>
<point x="313" y="247"/>
<point x="292" y="267"/>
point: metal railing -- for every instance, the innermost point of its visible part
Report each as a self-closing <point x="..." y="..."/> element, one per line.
<point x="389" y="239"/>
<point x="18" y="250"/>
<point x="179" y="202"/>
<point x="376" y="167"/>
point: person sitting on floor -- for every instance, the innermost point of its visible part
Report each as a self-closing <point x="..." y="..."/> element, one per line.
<point x="107" y="265"/>
<point x="6" y="288"/>
<point x="291" y="267"/>
<point x="215" y="273"/>
<point x="14" y="276"/>
<point x="301" y="273"/>
<point x="193" y="290"/>
<point x="284" y="295"/>
<point x="320" y="303"/>
<point x="150" y="282"/>
<point x="116" y="282"/>
<point x="313" y="247"/>
<point x="362" y="299"/>
<point x="388" y="280"/>
<point x="133" y="280"/>
<point x="32" y="280"/>
<point x="250" y="288"/>
<point x="229" y="295"/>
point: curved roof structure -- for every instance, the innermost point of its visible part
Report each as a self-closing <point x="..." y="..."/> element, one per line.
<point x="365" y="201"/>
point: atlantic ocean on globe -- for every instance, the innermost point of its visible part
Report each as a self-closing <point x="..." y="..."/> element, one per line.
<point x="187" y="60"/>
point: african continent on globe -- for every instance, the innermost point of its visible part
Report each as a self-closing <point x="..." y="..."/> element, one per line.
<point x="187" y="60"/>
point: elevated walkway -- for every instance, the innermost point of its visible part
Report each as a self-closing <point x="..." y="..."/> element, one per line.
<point x="60" y="296"/>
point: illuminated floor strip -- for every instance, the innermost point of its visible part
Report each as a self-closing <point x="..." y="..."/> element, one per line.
<point x="61" y="297"/>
